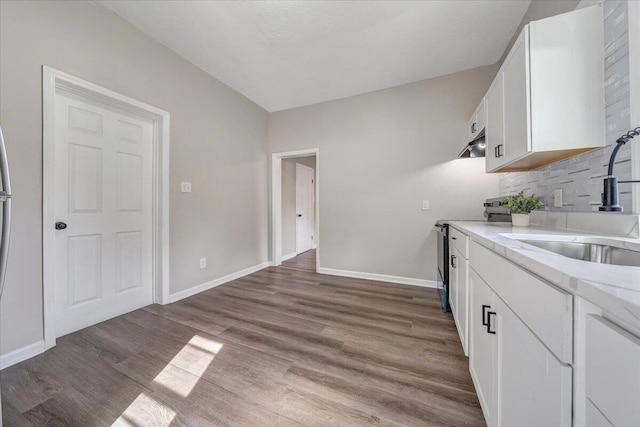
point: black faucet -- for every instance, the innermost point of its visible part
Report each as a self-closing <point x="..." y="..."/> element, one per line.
<point x="610" y="194"/>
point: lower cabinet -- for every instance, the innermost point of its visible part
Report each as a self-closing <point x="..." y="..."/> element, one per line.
<point x="453" y="282"/>
<point x="462" y="303"/>
<point x="534" y="388"/>
<point x="459" y="294"/>
<point x="612" y="375"/>
<point x="482" y="347"/>
<point x="518" y="380"/>
<point x="538" y="355"/>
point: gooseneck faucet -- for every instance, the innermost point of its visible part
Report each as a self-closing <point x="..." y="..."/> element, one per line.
<point x="610" y="194"/>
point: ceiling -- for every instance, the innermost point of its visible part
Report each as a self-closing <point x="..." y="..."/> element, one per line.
<point x="285" y="54"/>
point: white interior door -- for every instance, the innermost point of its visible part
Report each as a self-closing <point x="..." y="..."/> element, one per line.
<point x="103" y="193"/>
<point x="305" y="199"/>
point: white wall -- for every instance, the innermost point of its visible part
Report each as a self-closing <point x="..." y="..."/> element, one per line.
<point x="381" y="154"/>
<point x="289" y="201"/>
<point x="218" y="142"/>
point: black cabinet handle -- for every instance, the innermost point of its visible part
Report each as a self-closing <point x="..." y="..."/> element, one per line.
<point x="453" y="261"/>
<point x="454" y="238"/>
<point x="474" y="128"/>
<point x="484" y="314"/>
<point x="489" y="313"/>
<point x="499" y="151"/>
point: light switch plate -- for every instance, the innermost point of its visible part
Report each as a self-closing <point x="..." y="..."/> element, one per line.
<point x="203" y="262"/>
<point x="425" y="205"/>
<point x="185" y="187"/>
<point x="557" y="198"/>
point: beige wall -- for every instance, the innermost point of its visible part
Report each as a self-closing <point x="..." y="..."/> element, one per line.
<point x="218" y="142"/>
<point x="289" y="201"/>
<point x="381" y="154"/>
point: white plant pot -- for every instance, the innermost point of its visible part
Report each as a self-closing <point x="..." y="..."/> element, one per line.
<point x="520" y="220"/>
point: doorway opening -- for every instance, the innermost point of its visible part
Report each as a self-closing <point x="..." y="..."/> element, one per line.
<point x="295" y="208"/>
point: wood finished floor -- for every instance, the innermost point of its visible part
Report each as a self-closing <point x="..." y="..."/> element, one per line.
<point x="282" y="347"/>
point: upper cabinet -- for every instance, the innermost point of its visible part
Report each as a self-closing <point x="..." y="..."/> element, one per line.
<point x="477" y="122"/>
<point x="547" y="100"/>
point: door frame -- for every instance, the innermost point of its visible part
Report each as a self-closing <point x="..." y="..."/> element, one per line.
<point x="53" y="81"/>
<point x="276" y="202"/>
<point x="314" y="206"/>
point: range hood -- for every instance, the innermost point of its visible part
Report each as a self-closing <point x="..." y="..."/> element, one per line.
<point x="475" y="148"/>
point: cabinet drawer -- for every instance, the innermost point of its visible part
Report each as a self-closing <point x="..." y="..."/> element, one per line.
<point x="459" y="241"/>
<point x="612" y="372"/>
<point x="545" y="309"/>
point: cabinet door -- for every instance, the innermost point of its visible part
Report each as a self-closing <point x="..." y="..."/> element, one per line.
<point x="482" y="348"/>
<point x="516" y="100"/>
<point x="534" y="388"/>
<point x="462" y="300"/>
<point x="612" y="373"/>
<point x="472" y="128"/>
<point x="453" y="280"/>
<point x="481" y="117"/>
<point x="494" y="133"/>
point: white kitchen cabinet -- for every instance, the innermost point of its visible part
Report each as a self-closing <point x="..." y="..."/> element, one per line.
<point x="534" y="387"/>
<point x="515" y="101"/>
<point x="459" y="294"/>
<point x="612" y="374"/>
<point x="519" y="380"/>
<point x="453" y="281"/>
<point x="477" y="121"/>
<point x="544" y="308"/>
<point x="494" y="132"/>
<point x="461" y="317"/>
<point x="459" y="283"/>
<point x="547" y="100"/>
<point x="482" y="347"/>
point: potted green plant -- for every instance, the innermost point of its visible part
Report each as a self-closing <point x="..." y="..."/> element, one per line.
<point x="520" y="207"/>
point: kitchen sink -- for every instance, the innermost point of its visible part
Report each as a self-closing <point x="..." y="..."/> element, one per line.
<point x="590" y="251"/>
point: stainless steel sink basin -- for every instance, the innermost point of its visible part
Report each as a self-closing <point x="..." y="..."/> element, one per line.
<point x="589" y="251"/>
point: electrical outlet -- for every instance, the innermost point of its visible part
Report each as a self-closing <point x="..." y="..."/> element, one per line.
<point x="557" y="198"/>
<point x="185" y="187"/>
<point x="425" y="205"/>
<point x="203" y="262"/>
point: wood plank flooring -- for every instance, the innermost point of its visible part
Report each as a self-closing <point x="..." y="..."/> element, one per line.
<point x="281" y="347"/>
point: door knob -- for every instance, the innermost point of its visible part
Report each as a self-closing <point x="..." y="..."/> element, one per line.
<point x="60" y="225"/>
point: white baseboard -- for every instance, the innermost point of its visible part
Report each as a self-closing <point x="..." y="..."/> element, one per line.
<point x="291" y="255"/>
<point x="213" y="283"/>
<point x="379" y="277"/>
<point x="21" y="354"/>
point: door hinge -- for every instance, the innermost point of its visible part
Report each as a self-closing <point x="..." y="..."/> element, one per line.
<point x="312" y="181"/>
<point x="311" y="237"/>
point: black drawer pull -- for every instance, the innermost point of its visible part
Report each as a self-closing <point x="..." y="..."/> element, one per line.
<point x="453" y="261"/>
<point x="489" y="313"/>
<point x="484" y="314"/>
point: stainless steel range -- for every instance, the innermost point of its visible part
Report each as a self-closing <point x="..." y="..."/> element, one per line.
<point x="494" y="211"/>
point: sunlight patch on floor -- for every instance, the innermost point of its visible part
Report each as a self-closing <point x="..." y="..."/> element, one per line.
<point x="146" y="411"/>
<point x="184" y="371"/>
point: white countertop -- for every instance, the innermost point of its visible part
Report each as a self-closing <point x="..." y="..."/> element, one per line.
<point x="614" y="288"/>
